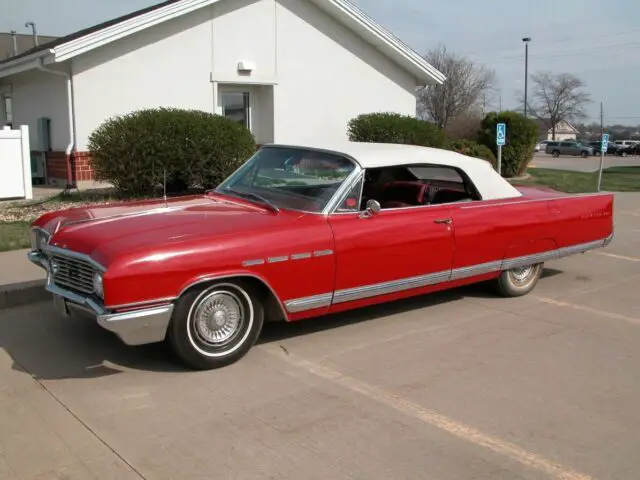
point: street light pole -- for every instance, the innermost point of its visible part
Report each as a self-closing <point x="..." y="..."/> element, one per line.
<point x="526" y="41"/>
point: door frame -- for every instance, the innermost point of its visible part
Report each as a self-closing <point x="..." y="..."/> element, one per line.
<point x="220" y="89"/>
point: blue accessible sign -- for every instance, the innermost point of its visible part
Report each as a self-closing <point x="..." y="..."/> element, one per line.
<point x="605" y="142"/>
<point x="501" y="133"/>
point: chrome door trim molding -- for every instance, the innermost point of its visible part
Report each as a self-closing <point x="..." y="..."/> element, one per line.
<point x="309" y="303"/>
<point x="402" y="284"/>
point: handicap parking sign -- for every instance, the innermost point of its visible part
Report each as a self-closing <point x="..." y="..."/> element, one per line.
<point x="501" y="133"/>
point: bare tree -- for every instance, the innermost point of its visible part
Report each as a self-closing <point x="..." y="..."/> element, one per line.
<point x="556" y="98"/>
<point x="463" y="88"/>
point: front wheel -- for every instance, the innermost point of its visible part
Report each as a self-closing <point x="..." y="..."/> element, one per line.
<point x="216" y="325"/>
<point x="555" y="154"/>
<point x="519" y="281"/>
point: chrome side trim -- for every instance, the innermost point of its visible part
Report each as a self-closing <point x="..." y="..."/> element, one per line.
<point x="309" y="303"/>
<point x="322" y="253"/>
<point x="609" y="239"/>
<point x="509" y="263"/>
<point x="580" y="248"/>
<point x="474" y="270"/>
<point x="300" y="256"/>
<point x="257" y="261"/>
<point x="50" y="249"/>
<point x="283" y="258"/>
<point x="378" y="289"/>
<point x="366" y="291"/>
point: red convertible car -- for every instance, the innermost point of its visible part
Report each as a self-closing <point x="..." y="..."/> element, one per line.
<point x="302" y="231"/>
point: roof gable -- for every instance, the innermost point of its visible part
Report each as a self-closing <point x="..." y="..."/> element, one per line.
<point x="344" y="11"/>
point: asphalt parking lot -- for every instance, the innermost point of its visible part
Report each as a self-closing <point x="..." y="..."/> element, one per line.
<point x="578" y="164"/>
<point x="458" y="385"/>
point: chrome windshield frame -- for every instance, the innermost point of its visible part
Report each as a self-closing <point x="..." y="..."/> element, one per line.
<point x="331" y="204"/>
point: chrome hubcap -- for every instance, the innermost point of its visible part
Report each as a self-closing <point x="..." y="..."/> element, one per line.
<point x="521" y="275"/>
<point x="218" y="317"/>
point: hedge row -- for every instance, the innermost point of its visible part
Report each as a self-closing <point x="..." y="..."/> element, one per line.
<point x="192" y="148"/>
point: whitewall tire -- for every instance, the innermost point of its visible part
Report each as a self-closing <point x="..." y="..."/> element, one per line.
<point x="519" y="281"/>
<point x="215" y="325"/>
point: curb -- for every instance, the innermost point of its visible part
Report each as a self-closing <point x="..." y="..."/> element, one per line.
<point x="25" y="293"/>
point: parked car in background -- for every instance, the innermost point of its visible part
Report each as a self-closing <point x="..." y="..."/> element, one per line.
<point x="633" y="149"/>
<point x="569" y="147"/>
<point x="304" y="231"/>
<point x="541" y="145"/>
<point x="612" y="148"/>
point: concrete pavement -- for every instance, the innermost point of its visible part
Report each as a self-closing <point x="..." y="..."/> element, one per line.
<point x="458" y="385"/>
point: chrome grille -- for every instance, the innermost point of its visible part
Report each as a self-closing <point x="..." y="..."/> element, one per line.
<point x="72" y="274"/>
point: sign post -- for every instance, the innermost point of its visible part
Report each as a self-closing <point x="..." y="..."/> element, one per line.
<point x="501" y="135"/>
<point x="603" y="149"/>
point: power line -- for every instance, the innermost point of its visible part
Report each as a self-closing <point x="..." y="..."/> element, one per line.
<point x="568" y="53"/>
<point x="554" y="42"/>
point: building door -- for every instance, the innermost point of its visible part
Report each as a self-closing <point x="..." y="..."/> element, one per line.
<point x="236" y="104"/>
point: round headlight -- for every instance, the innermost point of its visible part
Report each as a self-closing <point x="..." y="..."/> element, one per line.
<point x="33" y="236"/>
<point x="98" y="287"/>
<point x="42" y="241"/>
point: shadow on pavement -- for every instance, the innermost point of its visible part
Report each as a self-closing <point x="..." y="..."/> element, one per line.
<point x="50" y="347"/>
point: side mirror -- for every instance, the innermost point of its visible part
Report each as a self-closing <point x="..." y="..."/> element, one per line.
<point x="373" y="208"/>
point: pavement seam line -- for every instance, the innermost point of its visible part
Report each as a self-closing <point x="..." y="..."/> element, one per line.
<point x="595" y="311"/>
<point x="620" y="257"/>
<point x="80" y="421"/>
<point x="430" y="417"/>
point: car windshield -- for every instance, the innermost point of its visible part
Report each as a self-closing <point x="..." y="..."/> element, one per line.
<point x="290" y="178"/>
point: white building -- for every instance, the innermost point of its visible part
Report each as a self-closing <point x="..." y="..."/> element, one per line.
<point x="291" y="70"/>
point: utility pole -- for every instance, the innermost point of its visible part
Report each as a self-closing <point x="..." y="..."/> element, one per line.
<point x="484" y="103"/>
<point x="526" y="41"/>
<point x="601" y="145"/>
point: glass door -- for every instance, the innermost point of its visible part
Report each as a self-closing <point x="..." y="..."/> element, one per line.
<point x="236" y="105"/>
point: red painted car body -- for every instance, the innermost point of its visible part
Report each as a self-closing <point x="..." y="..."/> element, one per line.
<point x="316" y="263"/>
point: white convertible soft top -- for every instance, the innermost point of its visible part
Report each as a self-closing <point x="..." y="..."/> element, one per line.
<point x="490" y="185"/>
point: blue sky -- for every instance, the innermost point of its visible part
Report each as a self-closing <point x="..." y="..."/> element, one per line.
<point x="598" y="40"/>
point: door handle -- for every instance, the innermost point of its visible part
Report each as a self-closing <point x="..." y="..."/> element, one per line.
<point x="443" y="220"/>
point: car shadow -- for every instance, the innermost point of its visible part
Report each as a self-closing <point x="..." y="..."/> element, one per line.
<point x="51" y="347"/>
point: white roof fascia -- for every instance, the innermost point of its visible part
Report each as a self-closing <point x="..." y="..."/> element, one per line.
<point x="423" y="68"/>
<point x="23" y="64"/>
<point x="128" y="27"/>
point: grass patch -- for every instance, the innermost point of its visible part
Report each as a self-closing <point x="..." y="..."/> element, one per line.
<point x="615" y="179"/>
<point x="14" y="236"/>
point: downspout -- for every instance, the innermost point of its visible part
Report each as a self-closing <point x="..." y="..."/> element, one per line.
<point x="72" y="122"/>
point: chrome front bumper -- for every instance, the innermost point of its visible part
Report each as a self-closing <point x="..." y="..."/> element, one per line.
<point x="134" y="327"/>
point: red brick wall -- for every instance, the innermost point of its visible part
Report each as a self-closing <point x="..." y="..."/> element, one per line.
<point x="80" y="166"/>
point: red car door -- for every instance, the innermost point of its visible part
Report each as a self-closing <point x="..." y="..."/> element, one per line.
<point x="390" y="254"/>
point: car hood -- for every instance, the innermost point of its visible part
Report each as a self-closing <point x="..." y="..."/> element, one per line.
<point x="105" y="232"/>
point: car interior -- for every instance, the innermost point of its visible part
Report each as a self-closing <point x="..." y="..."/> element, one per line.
<point x="407" y="186"/>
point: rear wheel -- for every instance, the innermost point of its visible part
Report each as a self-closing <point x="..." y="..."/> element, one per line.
<point x="584" y="154"/>
<point x="519" y="281"/>
<point x="216" y="325"/>
<point x="555" y="153"/>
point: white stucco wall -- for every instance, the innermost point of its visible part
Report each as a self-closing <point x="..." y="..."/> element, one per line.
<point x="37" y="94"/>
<point x="327" y="75"/>
<point x="165" y="66"/>
<point x="311" y="75"/>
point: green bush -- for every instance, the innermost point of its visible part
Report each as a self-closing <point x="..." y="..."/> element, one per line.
<point x="472" y="149"/>
<point x="194" y="148"/>
<point x="522" y="135"/>
<point x="386" y="127"/>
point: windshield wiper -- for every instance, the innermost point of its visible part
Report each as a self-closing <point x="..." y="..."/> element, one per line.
<point x="254" y="196"/>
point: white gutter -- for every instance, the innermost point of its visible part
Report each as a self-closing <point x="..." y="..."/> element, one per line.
<point x="23" y="63"/>
<point x="70" y="113"/>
